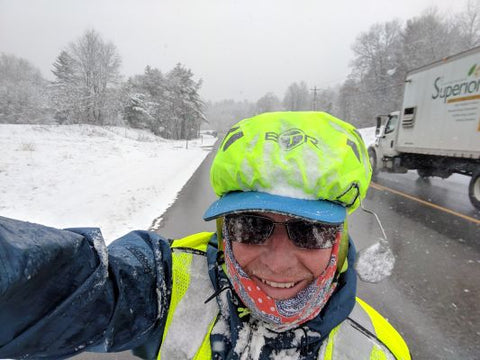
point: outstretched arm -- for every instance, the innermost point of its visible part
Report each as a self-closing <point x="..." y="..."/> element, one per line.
<point x="62" y="291"/>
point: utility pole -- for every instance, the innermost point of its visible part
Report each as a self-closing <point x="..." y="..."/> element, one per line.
<point x="314" y="105"/>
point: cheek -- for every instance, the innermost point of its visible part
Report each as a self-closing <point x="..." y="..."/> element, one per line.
<point x="244" y="254"/>
<point x="316" y="260"/>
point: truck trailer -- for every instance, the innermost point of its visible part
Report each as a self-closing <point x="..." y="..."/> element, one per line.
<point x="437" y="130"/>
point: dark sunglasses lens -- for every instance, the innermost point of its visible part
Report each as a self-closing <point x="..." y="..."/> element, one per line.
<point x="248" y="229"/>
<point x="308" y="235"/>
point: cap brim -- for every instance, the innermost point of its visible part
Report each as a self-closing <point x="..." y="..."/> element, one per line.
<point x="317" y="210"/>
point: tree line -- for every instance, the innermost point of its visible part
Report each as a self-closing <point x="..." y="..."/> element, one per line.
<point x="382" y="56"/>
<point x="88" y="89"/>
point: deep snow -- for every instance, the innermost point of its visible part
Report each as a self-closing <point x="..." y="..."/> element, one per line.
<point x="77" y="175"/>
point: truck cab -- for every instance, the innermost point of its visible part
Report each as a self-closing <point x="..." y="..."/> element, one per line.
<point x="382" y="153"/>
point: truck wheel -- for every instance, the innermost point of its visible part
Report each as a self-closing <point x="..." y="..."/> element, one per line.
<point x="474" y="189"/>
<point x="372" y="155"/>
<point x="424" y="174"/>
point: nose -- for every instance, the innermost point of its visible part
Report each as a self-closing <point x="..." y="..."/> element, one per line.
<point x="279" y="254"/>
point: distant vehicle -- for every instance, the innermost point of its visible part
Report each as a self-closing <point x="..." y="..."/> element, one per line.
<point x="437" y="131"/>
<point x="209" y="132"/>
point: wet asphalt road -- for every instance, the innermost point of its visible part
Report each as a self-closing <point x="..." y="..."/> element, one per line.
<point x="184" y="217"/>
<point x="433" y="297"/>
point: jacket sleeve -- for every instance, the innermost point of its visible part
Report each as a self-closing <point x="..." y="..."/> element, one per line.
<point x="63" y="291"/>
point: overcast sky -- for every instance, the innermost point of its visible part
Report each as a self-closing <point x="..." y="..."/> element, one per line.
<point x="241" y="49"/>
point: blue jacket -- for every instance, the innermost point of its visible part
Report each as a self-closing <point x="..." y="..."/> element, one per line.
<point x="63" y="292"/>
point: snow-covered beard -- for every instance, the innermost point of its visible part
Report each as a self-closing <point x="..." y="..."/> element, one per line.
<point x="287" y="313"/>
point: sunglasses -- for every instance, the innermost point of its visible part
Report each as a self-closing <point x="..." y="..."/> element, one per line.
<point x="255" y="230"/>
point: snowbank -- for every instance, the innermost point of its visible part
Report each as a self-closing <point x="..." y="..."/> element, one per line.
<point x="77" y="175"/>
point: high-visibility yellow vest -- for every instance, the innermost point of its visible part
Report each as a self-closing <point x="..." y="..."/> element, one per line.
<point x="365" y="334"/>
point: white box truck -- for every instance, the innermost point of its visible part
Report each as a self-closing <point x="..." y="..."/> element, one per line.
<point x="437" y="131"/>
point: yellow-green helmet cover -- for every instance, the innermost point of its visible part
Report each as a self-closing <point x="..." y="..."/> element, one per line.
<point x="291" y="156"/>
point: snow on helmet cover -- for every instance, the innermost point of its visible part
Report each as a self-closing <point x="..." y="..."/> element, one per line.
<point x="307" y="164"/>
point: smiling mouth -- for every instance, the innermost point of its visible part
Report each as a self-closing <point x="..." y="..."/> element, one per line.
<point x="284" y="285"/>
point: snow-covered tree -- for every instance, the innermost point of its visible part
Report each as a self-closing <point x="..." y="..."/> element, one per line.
<point x="66" y="92"/>
<point x="268" y="102"/>
<point x="346" y="101"/>
<point x="143" y="98"/>
<point x="376" y="71"/>
<point x="221" y="115"/>
<point x="169" y="105"/>
<point x="384" y="54"/>
<point x="324" y="100"/>
<point x="428" y="38"/>
<point x="183" y="106"/>
<point x="139" y="111"/>
<point x="22" y="91"/>
<point x="297" y="97"/>
<point x="468" y="24"/>
<point x="87" y="76"/>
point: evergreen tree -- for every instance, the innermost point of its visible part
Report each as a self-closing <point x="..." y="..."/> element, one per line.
<point x="169" y="105"/>
<point x="143" y="99"/>
<point x="184" y="108"/>
<point x="66" y="91"/>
